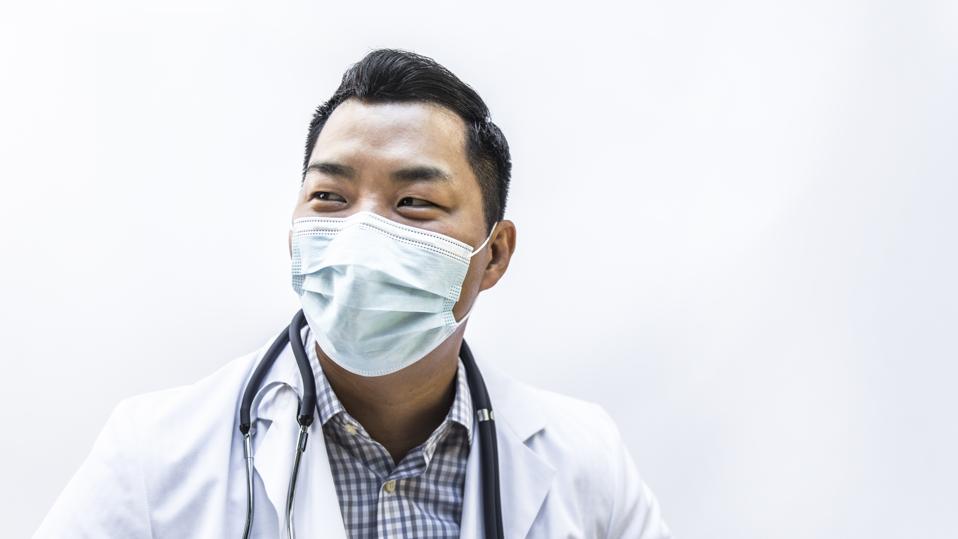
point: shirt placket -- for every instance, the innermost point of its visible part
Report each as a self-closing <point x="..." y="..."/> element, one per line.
<point x="395" y="491"/>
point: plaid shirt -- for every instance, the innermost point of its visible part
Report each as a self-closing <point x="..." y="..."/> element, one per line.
<point x="419" y="497"/>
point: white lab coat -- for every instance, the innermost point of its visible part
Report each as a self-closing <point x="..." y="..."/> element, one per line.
<point x="169" y="464"/>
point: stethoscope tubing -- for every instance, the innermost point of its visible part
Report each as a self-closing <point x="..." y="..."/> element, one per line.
<point x="488" y="450"/>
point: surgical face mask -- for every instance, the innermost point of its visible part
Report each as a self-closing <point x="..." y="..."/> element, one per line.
<point x="377" y="294"/>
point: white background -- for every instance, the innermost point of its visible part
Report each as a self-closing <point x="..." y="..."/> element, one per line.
<point x="736" y="230"/>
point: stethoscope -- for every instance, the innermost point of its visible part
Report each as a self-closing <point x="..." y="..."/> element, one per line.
<point x="488" y="453"/>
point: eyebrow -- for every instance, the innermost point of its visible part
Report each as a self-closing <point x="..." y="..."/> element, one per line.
<point x="332" y="169"/>
<point x="420" y="173"/>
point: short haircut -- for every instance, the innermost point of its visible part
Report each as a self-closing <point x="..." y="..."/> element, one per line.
<point x="392" y="75"/>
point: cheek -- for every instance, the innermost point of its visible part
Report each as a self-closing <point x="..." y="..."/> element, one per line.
<point x="469" y="287"/>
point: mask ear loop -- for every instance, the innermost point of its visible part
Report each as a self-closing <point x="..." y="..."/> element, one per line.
<point x="473" y="306"/>
<point x="484" y="242"/>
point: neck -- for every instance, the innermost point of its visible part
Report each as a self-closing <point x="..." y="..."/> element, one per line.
<point x="400" y="410"/>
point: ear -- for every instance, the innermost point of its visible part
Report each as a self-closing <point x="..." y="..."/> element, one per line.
<point x="289" y="242"/>
<point x="501" y="246"/>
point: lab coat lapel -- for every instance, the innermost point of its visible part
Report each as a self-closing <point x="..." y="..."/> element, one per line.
<point x="524" y="476"/>
<point x="273" y="458"/>
<point x="317" y="504"/>
<point x="317" y="512"/>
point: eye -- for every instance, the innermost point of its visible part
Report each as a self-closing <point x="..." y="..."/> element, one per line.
<point x="328" y="196"/>
<point x="414" y="202"/>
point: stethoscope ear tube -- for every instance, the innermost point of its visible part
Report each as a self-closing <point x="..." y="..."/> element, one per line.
<point x="290" y="335"/>
<point x="248" y="395"/>
<point x="307" y="406"/>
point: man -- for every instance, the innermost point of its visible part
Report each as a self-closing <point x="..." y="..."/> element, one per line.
<point x="397" y="229"/>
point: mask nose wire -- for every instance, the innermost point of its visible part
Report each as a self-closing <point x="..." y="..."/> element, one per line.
<point x="474" y="252"/>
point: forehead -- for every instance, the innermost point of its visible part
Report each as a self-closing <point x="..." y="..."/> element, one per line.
<point x="404" y="131"/>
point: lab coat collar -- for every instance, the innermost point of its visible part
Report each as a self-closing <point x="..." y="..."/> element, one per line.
<point x="510" y="402"/>
<point x="525" y="477"/>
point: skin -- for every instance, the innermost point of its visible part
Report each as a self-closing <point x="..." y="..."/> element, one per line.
<point x="406" y="162"/>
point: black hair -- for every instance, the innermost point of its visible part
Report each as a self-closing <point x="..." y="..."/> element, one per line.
<point x="393" y="75"/>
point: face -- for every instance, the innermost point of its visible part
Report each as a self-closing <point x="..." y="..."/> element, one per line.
<point x="406" y="162"/>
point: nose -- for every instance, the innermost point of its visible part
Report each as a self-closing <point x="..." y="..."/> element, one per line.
<point x="373" y="204"/>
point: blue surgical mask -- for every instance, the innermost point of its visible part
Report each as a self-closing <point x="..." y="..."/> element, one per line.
<point x="377" y="294"/>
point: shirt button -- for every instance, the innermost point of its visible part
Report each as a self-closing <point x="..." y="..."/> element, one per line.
<point x="350" y="428"/>
<point x="390" y="486"/>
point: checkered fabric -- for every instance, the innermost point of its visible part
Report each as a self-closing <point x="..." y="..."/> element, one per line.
<point x="421" y="496"/>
